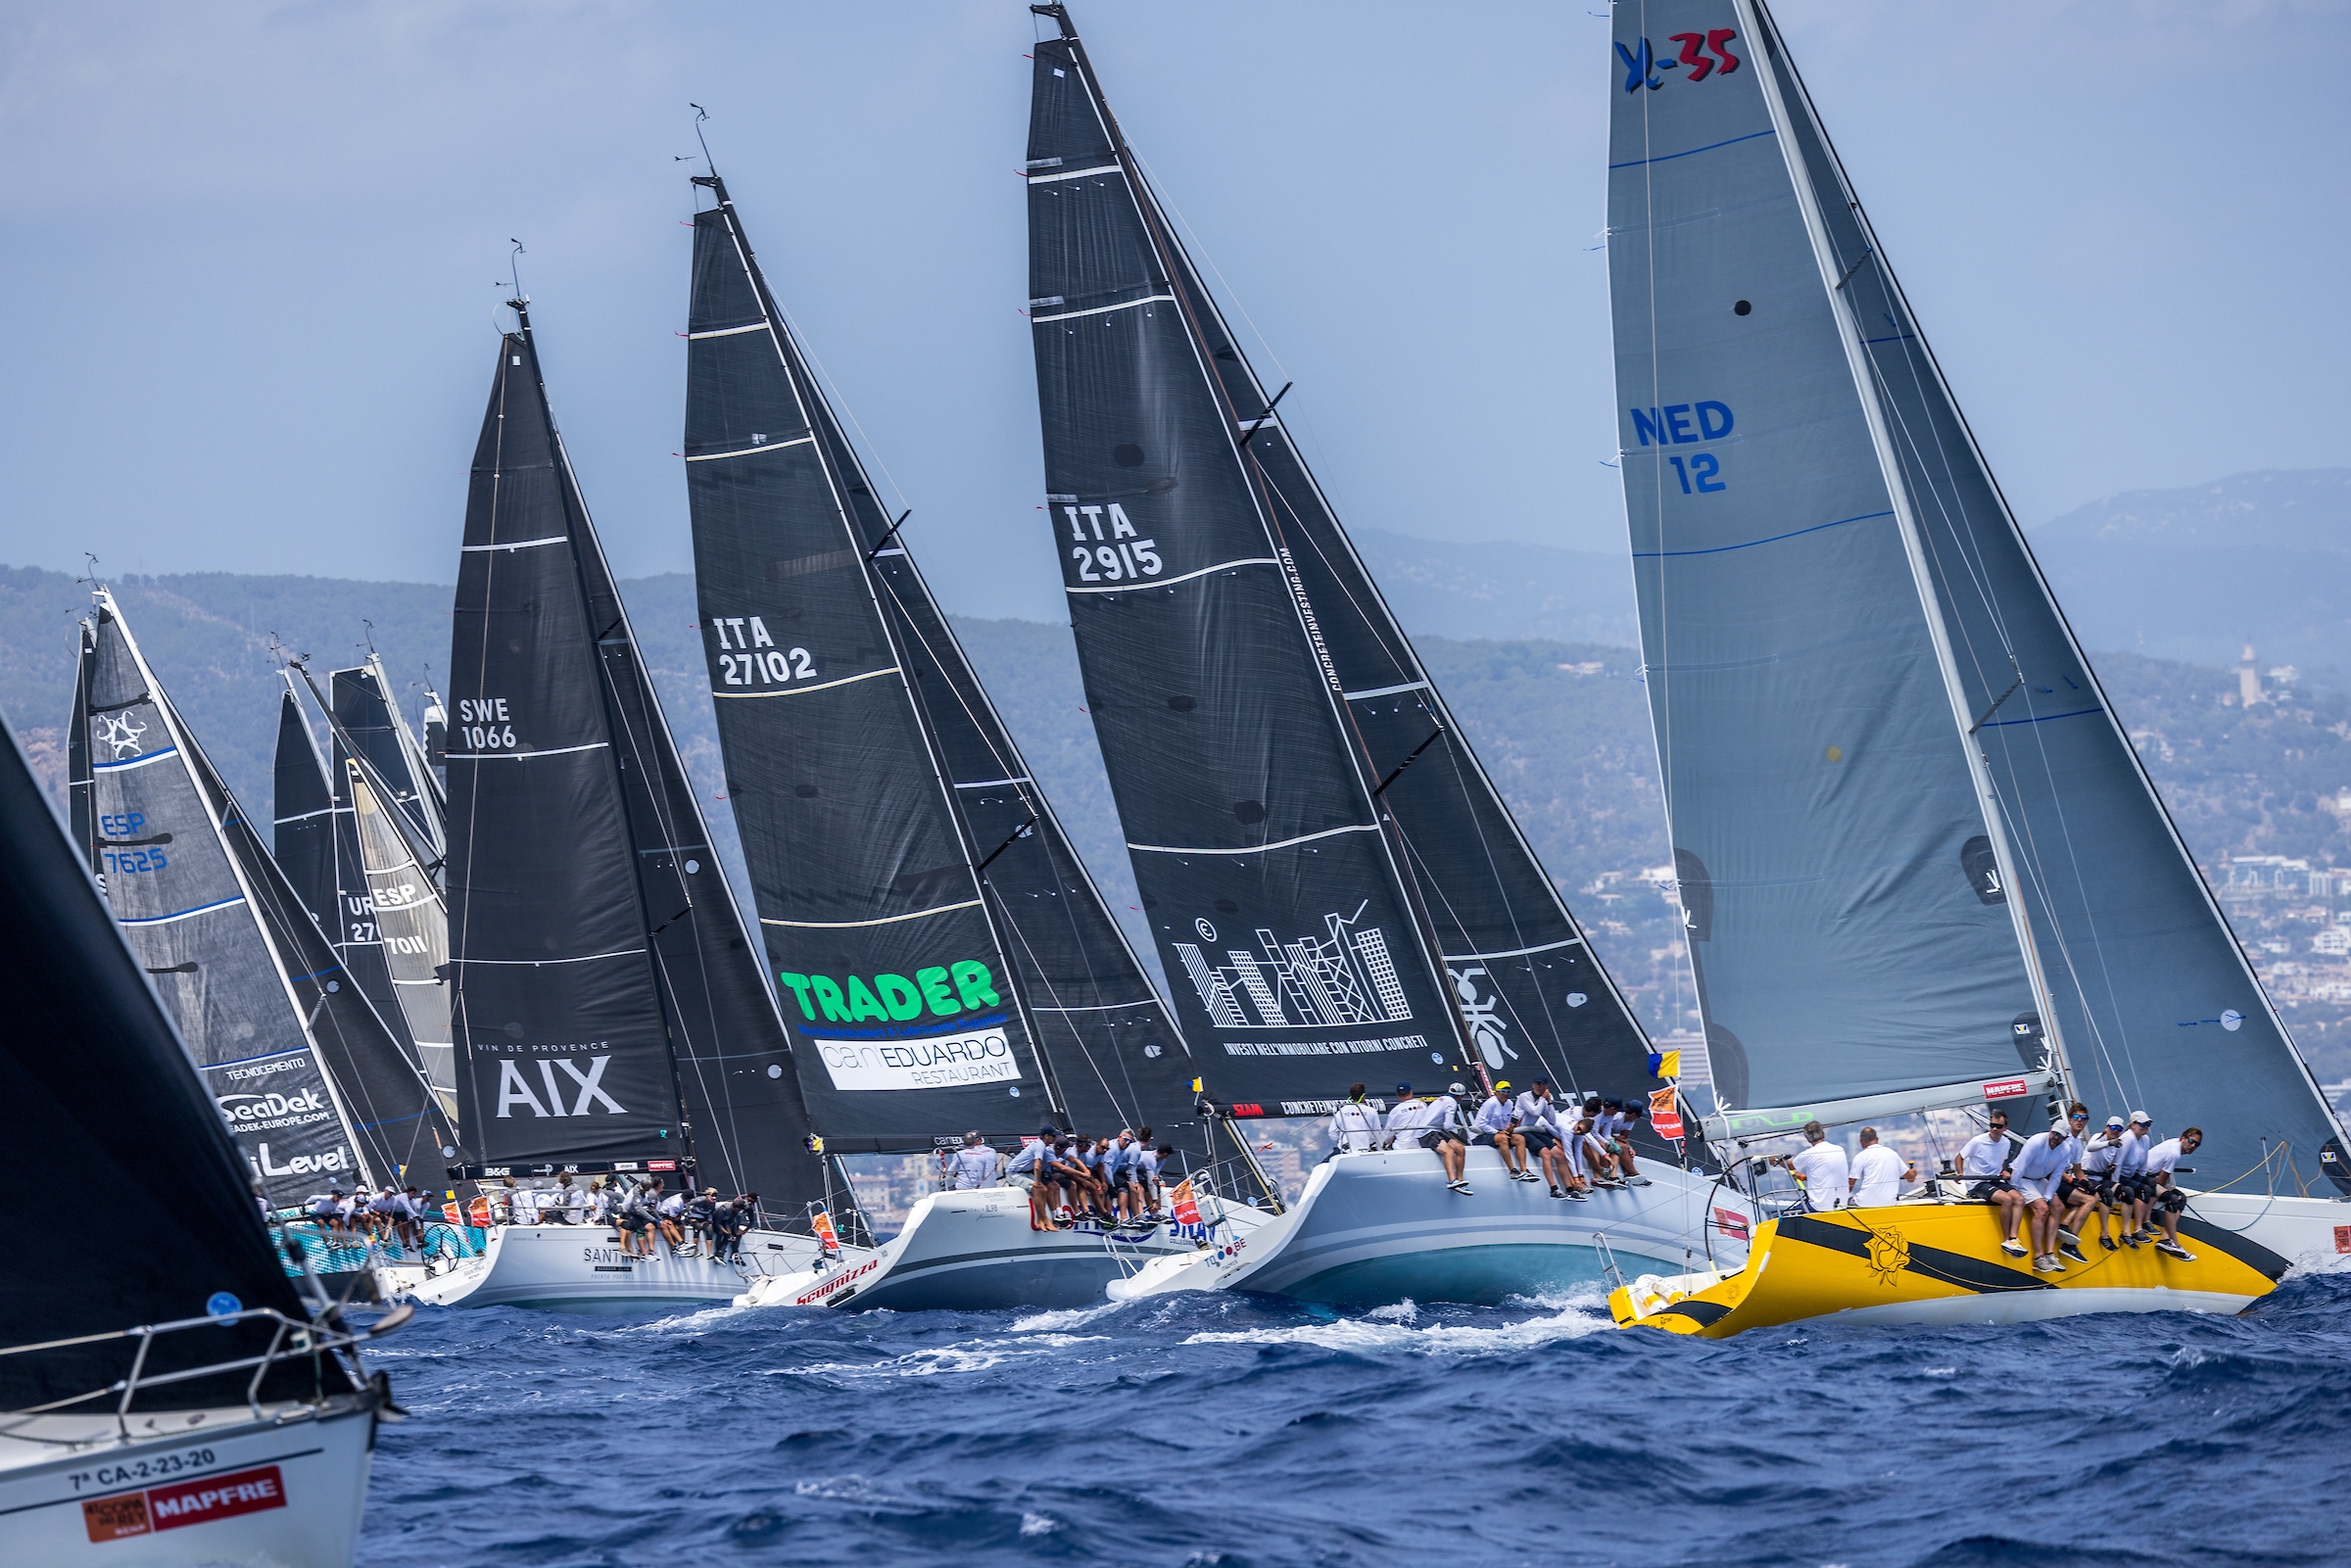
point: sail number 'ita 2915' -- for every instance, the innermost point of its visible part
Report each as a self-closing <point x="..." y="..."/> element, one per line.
<point x="1108" y="548"/>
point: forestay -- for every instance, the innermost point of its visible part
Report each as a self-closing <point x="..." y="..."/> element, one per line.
<point x="946" y="962"/>
<point x="1273" y="882"/>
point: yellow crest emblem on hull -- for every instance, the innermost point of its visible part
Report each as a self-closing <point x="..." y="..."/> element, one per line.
<point x="1889" y="1254"/>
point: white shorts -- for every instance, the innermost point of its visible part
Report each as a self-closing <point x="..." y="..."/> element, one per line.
<point x="2041" y="1187"/>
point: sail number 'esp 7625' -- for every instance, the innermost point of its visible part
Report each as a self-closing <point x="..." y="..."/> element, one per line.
<point x="754" y="659"/>
<point x="1117" y="555"/>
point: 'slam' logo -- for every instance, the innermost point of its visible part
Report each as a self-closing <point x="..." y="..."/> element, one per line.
<point x="120" y="731"/>
<point x="1641" y="65"/>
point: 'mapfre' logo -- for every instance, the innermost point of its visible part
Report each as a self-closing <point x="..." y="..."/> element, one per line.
<point x="1641" y="63"/>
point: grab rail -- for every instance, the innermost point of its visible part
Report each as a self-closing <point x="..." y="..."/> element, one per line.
<point x="313" y="1340"/>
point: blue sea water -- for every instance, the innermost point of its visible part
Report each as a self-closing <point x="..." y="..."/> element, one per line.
<point x="1196" y="1430"/>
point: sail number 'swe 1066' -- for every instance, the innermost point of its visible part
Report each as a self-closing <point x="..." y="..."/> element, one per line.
<point x="483" y="723"/>
<point x="755" y="660"/>
<point x="1120" y="554"/>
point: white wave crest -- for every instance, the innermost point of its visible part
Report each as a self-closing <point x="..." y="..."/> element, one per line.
<point x="1436" y="1338"/>
<point x="969" y="1355"/>
<point x="1066" y="1318"/>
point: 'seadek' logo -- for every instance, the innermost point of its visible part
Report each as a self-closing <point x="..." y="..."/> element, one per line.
<point x="1641" y="65"/>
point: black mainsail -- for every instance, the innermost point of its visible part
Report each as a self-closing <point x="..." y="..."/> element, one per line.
<point x="369" y="724"/>
<point x="302" y="809"/>
<point x="82" y="1015"/>
<point x="947" y="960"/>
<point x="607" y="1007"/>
<point x="312" y="1084"/>
<point x="1196" y="540"/>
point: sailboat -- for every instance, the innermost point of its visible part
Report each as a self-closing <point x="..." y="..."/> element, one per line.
<point x="178" y="1400"/>
<point x="316" y="1088"/>
<point x="1336" y="885"/>
<point x="607" y="1005"/>
<point x="950" y="964"/>
<point x="1921" y="863"/>
<point x="369" y="835"/>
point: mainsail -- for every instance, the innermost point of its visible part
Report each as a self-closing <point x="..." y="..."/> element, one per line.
<point x="1536" y="1001"/>
<point x="308" y="1077"/>
<point x="948" y="962"/>
<point x="412" y="925"/>
<point x="1917" y="846"/>
<point x="302" y="810"/>
<point x="607" y="1007"/>
<point x="1334" y="881"/>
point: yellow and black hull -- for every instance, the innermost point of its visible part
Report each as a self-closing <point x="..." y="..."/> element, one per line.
<point x="1940" y="1264"/>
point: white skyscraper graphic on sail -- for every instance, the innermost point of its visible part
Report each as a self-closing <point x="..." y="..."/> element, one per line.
<point x="1301" y="983"/>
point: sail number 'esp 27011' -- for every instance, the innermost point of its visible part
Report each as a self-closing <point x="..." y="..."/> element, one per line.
<point x="1107" y="546"/>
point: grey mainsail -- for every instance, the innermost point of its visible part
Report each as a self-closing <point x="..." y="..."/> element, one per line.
<point x="949" y="962"/>
<point x="371" y="724"/>
<point x="1916" y="846"/>
<point x="412" y="925"/>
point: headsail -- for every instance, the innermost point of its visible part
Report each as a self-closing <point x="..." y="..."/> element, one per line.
<point x="605" y="997"/>
<point x="938" y="937"/>
<point x="305" y="1075"/>
<point x="1276" y="885"/>
<point x="412" y="925"/>
<point x="2153" y="999"/>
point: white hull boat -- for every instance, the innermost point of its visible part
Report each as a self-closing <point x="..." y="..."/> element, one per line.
<point x="1379" y="1227"/>
<point x="2310" y="1235"/>
<point x="582" y="1268"/>
<point x="973" y="1250"/>
<point x="281" y="1486"/>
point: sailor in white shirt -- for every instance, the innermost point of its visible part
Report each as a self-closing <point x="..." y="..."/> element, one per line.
<point x="2163" y="1159"/>
<point x="1827" y="1178"/>
<point x="2101" y="1162"/>
<point x="1355" y="1125"/>
<point x="2043" y="1158"/>
<point x="1539" y="1125"/>
<point x="2132" y="1176"/>
<point x="1878" y="1172"/>
<point x="1498" y="1128"/>
<point x="1442" y="1130"/>
<point x="1405" y="1117"/>
<point x="975" y="1164"/>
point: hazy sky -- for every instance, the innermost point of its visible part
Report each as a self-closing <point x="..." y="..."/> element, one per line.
<point x="250" y="249"/>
